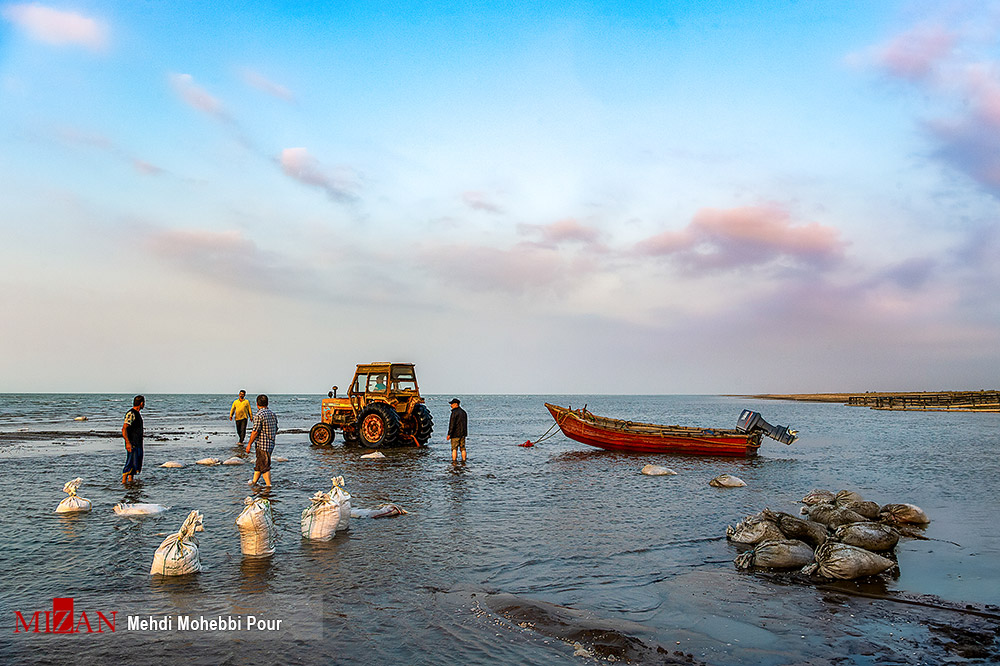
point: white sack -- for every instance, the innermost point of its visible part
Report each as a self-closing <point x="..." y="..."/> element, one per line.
<point x="343" y="499"/>
<point x="73" y="503"/>
<point x="320" y="518"/>
<point x="178" y="554"/>
<point x="384" y="511"/>
<point x="256" y="526"/>
<point x="123" y="509"/>
<point x="656" y="470"/>
<point x="727" y="481"/>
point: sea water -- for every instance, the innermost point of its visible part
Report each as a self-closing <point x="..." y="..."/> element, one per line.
<point x="511" y="557"/>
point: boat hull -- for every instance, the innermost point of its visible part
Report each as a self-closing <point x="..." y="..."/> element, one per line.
<point x="634" y="437"/>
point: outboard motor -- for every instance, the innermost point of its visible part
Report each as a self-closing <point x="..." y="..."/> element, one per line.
<point x="751" y="421"/>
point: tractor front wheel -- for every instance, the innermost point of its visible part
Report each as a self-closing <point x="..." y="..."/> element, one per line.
<point x="378" y="425"/>
<point x="321" y="434"/>
<point x="351" y="435"/>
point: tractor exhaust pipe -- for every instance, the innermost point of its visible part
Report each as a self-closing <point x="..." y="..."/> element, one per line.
<point x="751" y="421"/>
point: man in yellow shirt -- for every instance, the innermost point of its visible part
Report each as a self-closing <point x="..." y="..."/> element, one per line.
<point x="241" y="411"/>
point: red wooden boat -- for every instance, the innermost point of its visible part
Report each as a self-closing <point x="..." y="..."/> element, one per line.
<point x="635" y="437"/>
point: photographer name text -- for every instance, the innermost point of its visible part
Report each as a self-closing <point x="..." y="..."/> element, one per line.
<point x="217" y="623"/>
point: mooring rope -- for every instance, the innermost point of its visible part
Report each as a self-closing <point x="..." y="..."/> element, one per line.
<point x="548" y="434"/>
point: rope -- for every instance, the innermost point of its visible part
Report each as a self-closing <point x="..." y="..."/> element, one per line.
<point x="548" y="434"/>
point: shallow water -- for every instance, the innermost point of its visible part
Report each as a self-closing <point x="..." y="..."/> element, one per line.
<point x="559" y="524"/>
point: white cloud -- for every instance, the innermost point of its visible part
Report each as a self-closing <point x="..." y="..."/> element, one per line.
<point x="340" y="185"/>
<point x="197" y="97"/>
<point x="53" y="26"/>
<point x="265" y="85"/>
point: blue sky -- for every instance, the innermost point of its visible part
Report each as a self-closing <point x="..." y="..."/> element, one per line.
<point x="532" y="198"/>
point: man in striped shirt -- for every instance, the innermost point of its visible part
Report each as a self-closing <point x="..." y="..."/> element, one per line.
<point x="265" y="427"/>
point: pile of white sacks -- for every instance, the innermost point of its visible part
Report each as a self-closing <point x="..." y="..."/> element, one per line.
<point x="178" y="554"/>
<point x="841" y="536"/>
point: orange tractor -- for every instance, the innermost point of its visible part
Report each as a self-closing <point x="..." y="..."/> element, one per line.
<point x="383" y="408"/>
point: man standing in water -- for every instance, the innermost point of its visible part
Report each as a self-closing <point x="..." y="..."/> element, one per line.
<point x="265" y="428"/>
<point x="458" y="428"/>
<point x="241" y="411"/>
<point x="132" y="432"/>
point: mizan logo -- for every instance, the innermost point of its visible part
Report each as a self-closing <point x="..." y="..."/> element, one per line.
<point x="61" y="620"/>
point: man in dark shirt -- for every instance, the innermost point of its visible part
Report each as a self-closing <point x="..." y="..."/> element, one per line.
<point x="132" y="432"/>
<point x="458" y="428"/>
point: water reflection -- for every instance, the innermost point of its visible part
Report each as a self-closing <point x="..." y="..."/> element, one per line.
<point x="133" y="492"/>
<point x="256" y="574"/>
<point x="72" y="524"/>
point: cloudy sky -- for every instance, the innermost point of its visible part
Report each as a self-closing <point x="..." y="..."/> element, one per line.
<point x="582" y="197"/>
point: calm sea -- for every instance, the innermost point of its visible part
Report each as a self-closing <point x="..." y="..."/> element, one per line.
<point x="510" y="558"/>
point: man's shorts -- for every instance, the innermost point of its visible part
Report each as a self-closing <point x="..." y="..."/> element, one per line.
<point x="457" y="443"/>
<point x="263" y="463"/>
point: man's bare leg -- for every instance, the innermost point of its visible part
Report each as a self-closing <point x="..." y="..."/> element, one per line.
<point x="267" y="478"/>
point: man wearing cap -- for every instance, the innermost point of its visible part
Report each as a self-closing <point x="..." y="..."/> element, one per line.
<point x="458" y="428"/>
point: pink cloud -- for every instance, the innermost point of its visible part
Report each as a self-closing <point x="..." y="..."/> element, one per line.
<point x="516" y="270"/>
<point x="951" y="66"/>
<point x="261" y="83"/>
<point x="197" y="97"/>
<point x="297" y="163"/>
<point x="53" y="26"/>
<point x="73" y="137"/>
<point x="722" y="239"/>
<point x="970" y="140"/>
<point x="229" y="257"/>
<point x="480" y="201"/>
<point x="561" y="231"/>
<point x="915" y="54"/>
<point x="146" y="168"/>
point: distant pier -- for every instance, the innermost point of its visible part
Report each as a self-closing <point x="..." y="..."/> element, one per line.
<point x="951" y="401"/>
<point x="927" y="401"/>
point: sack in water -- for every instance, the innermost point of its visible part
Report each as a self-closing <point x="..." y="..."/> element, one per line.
<point x="384" y="511"/>
<point x="846" y="562"/>
<point x="178" y="554"/>
<point x="657" y="470"/>
<point x="123" y="509"/>
<point x="73" y="503"/>
<point x="782" y="554"/>
<point x="727" y="481"/>
<point x="320" y="518"/>
<point x="343" y="499"/>
<point x="256" y="526"/>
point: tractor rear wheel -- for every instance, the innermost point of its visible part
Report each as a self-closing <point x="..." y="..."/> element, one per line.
<point x="378" y="425"/>
<point x="321" y="434"/>
<point x="424" y="424"/>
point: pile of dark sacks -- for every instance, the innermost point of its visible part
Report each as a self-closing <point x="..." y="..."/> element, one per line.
<point x="839" y="536"/>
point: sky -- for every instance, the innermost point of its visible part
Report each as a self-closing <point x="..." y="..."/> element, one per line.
<point x="521" y="197"/>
